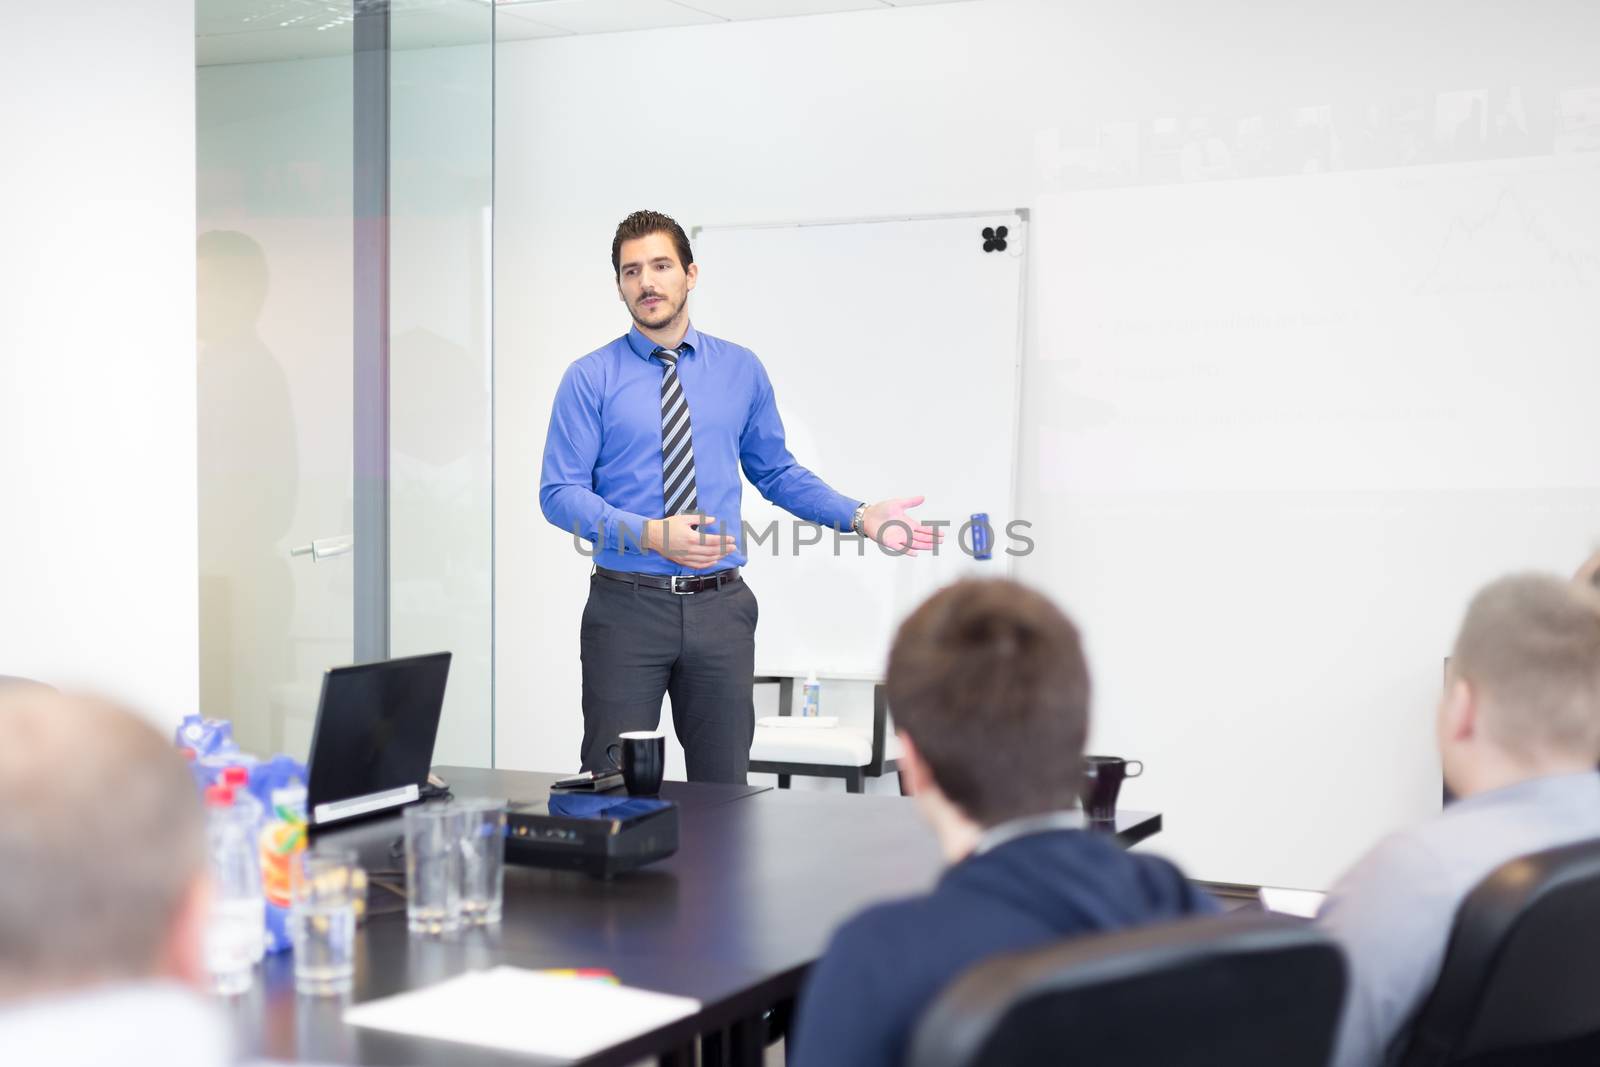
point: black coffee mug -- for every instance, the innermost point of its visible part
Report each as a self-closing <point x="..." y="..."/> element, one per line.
<point x="643" y="761"/>
<point x="1102" y="781"/>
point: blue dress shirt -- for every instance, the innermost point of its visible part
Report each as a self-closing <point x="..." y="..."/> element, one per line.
<point x="602" y="457"/>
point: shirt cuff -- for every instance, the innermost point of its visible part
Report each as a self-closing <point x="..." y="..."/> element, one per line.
<point x="845" y="516"/>
<point x="625" y="532"/>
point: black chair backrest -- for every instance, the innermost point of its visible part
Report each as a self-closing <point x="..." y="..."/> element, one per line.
<point x="1239" y="989"/>
<point x="1522" y="970"/>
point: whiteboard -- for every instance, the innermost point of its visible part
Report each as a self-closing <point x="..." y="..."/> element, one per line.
<point x="893" y="349"/>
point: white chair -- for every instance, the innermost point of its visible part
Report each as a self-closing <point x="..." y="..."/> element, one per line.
<point x="847" y="752"/>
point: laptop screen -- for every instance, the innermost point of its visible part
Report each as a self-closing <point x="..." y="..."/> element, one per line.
<point x="373" y="741"/>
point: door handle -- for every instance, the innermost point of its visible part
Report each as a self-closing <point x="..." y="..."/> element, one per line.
<point x="326" y="548"/>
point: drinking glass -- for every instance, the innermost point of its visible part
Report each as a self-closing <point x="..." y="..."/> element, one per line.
<point x="433" y="868"/>
<point x="483" y="850"/>
<point x="326" y="893"/>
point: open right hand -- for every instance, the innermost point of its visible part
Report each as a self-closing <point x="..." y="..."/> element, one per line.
<point x="683" y="539"/>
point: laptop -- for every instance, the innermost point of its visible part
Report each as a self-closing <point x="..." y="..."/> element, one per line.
<point x="373" y="739"/>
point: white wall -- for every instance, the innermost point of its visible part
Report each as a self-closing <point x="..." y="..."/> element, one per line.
<point x="998" y="104"/>
<point x="97" y="390"/>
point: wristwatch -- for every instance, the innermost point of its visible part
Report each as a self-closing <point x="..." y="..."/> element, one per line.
<point x="855" y="520"/>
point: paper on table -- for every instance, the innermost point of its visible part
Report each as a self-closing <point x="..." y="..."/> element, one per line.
<point x="1301" y="902"/>
<point x="524" y="1011"/>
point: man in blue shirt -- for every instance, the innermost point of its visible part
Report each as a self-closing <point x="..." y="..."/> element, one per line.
<point x="647" y="439"/>
<point x="991" y="698"/>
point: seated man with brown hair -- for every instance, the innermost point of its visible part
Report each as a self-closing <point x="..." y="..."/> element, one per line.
<point x="1518" y="730"/>
<point x="103" y="892"/>
<point x="990" y="694"/>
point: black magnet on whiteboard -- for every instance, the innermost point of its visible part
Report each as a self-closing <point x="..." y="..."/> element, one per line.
<point x="994" y="238"/>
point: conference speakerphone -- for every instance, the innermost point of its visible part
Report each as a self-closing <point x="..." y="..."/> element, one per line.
<point x="598" y="835"/>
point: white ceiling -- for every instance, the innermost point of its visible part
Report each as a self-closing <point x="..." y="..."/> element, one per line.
<point x="258" y="31"/>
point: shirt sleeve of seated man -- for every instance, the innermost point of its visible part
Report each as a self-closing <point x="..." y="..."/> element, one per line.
<point x="1391" y="914"/>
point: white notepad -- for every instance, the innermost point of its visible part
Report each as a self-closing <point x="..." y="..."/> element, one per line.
<point x="524" y="1011"/>
<point x="1301" y="902"/>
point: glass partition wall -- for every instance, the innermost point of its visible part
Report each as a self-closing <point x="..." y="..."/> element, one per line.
<point x="345" y="158"/>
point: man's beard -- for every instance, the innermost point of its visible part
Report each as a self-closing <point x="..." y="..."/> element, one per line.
<point x="665" y="314"/>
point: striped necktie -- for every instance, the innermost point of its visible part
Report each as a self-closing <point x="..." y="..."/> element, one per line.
<point x="677" y="451"/>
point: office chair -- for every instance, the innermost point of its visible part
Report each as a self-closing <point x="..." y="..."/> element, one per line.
<point x="1520" y="981"/>
<point x="1238" y="989"/>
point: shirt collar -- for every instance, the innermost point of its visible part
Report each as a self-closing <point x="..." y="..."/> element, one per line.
<point x="643" y="347"/>
<point x="1006" y="832"/>
<point x="1536" y="789"/>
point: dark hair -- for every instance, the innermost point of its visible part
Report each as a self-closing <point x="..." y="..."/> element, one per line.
<point x="988" y="679"/>
<point x="642" y="224"/>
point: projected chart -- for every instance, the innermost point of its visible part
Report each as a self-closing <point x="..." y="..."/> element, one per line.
<point x="1519" y="242"/>
<point x="1280" y="430"/>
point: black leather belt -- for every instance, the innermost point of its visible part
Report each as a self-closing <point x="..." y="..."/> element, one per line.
<point x="682" y="584"/>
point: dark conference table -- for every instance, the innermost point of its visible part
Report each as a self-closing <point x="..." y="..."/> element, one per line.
<point x="733" y="919"/>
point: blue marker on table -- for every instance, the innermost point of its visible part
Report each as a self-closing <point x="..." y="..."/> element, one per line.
<point x="981" y="547"/>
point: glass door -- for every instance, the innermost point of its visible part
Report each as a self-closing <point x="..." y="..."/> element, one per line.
<point x="344" y="185"/>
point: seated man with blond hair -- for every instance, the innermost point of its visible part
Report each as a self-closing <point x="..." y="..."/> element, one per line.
<point x="990" y="694"/>
<point x="1518" y="730"/>
<point x="103" y="892"/>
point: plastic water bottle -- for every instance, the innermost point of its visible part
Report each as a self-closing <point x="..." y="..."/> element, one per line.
<point x="811" y="697"/>
<point x="211" y="767"/>
<point x="250" y="814"/>
<point x="236" y="926"/>
<point x="237" y="778"/>
<point x="195" y="770"/>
